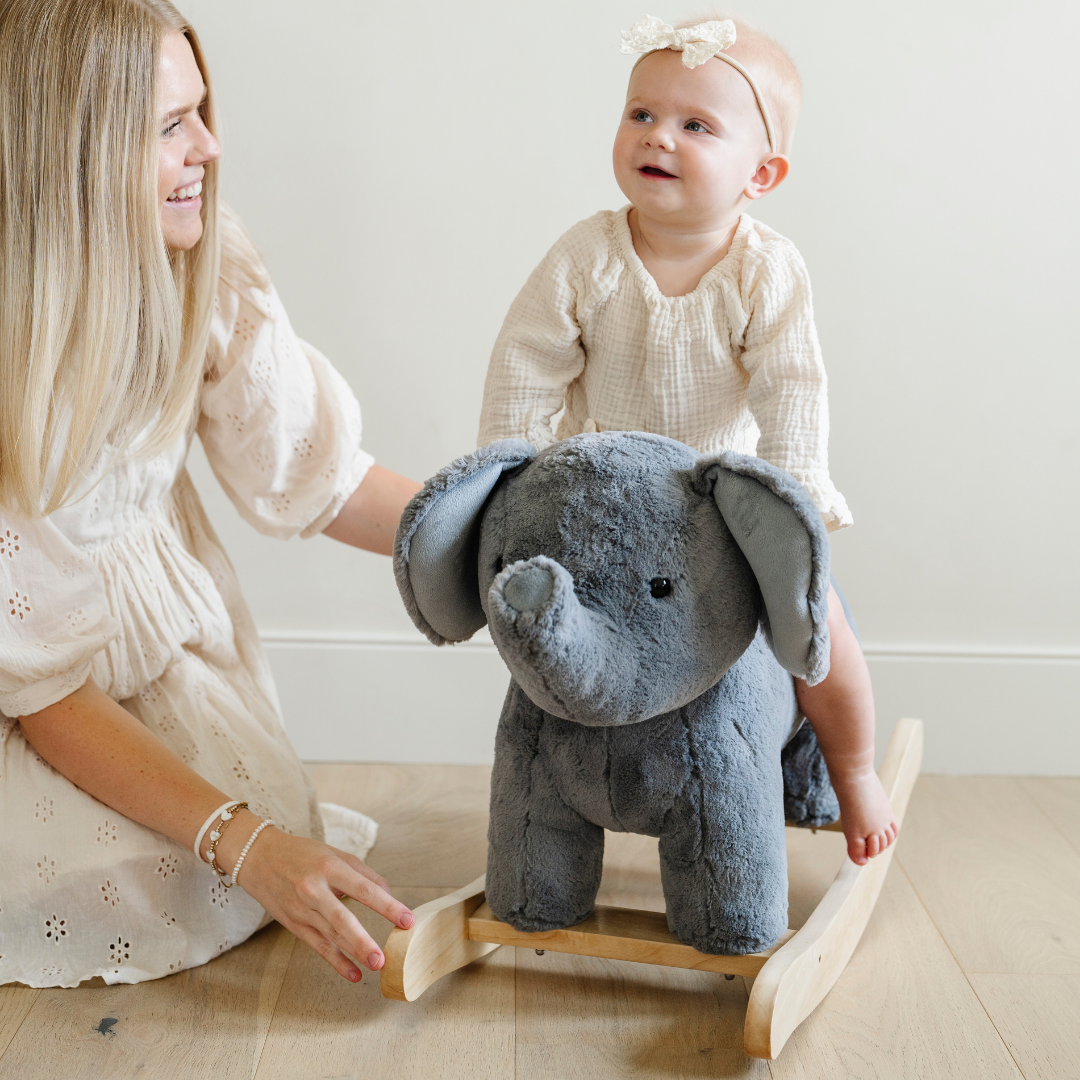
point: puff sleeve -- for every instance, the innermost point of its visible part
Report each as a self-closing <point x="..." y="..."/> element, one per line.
<point x="537" y="354"/>
<point x="787" y="391"/>
<point x="281" y="428"/>
<point x="54" y="619"/>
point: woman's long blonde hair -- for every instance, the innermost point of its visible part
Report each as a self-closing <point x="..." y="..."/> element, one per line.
<point x="102" y="330"/>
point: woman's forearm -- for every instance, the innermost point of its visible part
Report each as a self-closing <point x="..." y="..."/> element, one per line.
<point x="103" y="749"/>
<point x="370" y="517"/>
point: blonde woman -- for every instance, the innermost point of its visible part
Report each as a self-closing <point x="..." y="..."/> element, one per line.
<point x="136" y="706"/>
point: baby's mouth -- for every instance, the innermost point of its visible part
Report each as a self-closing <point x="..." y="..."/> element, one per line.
<point x="652" y="170"/>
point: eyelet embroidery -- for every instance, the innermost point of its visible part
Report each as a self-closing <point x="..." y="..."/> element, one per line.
<point x="43" y="809"/>
<point x="9" y="543"/>
<point x="119" y="951"/>
<point x="219" y="896"/>
<point x="168" y="865"/>
<point x="106" y="833"/>
<point x="56" y="929"/>
<point x="76" y="618"/>
<point x="46" y="869"/>
<point x="19" y="605"/>
<point x="169" y="920"/>
<point x="110" y="893"/>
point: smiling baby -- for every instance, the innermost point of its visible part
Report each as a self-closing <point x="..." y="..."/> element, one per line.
<point x="682" y="315"/>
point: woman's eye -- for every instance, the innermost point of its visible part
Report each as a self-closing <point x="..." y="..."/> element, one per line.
<point x="170" y="129"/>
<point x="660" y="587"/>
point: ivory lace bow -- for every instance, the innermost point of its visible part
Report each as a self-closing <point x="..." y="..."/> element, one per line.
<point x="696" y="43"/>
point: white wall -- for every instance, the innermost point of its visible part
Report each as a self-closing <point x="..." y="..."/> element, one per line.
<point x="405" y="168"/>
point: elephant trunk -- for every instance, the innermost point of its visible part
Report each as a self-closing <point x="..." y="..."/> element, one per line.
<point x="564" y="655"/>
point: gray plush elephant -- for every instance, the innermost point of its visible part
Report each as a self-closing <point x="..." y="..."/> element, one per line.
<point x="650" y="603"/>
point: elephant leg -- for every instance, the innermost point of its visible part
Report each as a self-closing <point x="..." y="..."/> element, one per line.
<point x="723" y="858"/>
<point x="544" y="858"/>
<point x="809" y="800"/>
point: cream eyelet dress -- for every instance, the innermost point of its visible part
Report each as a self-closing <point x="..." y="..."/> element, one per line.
<point x="130" y="586"/>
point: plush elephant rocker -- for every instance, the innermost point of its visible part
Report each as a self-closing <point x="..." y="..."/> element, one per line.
<point x="650" y="602"/>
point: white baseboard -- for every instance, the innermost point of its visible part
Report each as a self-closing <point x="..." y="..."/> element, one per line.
<point x="397" y="698"/>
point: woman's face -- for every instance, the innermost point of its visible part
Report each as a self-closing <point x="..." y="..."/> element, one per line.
<point x="186" y="145"/>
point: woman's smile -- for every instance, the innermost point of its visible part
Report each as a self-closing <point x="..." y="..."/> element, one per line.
<point x="186" y="196"/>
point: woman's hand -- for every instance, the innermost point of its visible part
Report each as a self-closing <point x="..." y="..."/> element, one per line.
<point x="300" y="882"/>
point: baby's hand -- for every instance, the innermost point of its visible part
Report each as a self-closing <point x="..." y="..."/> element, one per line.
<point x="867" y="816"/>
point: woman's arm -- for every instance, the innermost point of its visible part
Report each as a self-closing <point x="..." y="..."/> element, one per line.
<point x="103" y="749"/>
<point x="369" y="519"/>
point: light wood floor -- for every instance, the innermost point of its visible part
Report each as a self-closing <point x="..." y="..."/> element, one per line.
<point x="970" y="967"/>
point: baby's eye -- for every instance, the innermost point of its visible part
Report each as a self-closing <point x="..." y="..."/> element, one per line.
<point x="641" y="116"/>
<point x="694" y="125"/>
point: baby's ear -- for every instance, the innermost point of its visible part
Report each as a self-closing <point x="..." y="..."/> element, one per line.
<point x="779" y="529"/>
<point x="438" y="539"/>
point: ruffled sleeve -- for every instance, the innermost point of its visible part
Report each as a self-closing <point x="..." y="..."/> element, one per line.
<point x="54" y="619"/>
<point x="280" y="426"/>
<point x="538" y="352"/>
<point x="788" y="393"/>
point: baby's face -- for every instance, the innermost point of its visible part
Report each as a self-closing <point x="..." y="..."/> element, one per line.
<point x="690" y="140"/>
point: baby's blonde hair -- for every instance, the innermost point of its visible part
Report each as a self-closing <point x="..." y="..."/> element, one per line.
<point x="773" y="70"/>
<point x="102" y="330"/>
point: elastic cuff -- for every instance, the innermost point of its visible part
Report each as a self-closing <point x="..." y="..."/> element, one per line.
<point x="350" y="480"/>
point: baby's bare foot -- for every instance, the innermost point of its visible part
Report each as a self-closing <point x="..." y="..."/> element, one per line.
<point x="867" y="815"/>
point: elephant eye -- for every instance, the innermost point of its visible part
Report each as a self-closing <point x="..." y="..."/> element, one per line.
<point x="660" y="587"/>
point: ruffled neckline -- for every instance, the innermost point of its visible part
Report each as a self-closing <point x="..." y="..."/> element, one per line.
<point x="732" y="257"/>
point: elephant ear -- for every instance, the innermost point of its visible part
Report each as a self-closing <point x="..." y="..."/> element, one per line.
<point x="779" y="529"/>
<point x="438" y="539"/>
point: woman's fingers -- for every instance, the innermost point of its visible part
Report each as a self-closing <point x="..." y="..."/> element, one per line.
<point x="339" y="925"/>
<point x="366" y="892"/>
<point x="328" y="951"/>
<point x="362" y="867"/>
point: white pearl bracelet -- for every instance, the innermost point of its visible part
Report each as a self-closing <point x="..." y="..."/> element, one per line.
<point x="247" y="847"/>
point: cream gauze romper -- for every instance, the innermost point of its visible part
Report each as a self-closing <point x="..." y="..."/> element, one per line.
<point x="129" y="585"/>
<point x="592" y="343"/>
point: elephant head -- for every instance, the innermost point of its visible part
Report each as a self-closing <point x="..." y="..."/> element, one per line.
<point x="621" y="574"/>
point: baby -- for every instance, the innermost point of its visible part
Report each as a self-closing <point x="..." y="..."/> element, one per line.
<point x="682" y="315"/>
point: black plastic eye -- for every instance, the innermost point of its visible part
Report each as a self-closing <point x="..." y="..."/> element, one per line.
<point x="660" y="587"/>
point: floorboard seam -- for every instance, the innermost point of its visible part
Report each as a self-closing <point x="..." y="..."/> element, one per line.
<point x="960" y="967"/>
<point x="1053" y="824"/>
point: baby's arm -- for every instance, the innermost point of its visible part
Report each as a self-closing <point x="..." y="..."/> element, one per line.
<point x="537" y="355"/>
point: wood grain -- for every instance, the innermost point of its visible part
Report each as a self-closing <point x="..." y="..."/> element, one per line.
<point x="15" y="1002"/>
<point x="218" y="1013"/>
<point x="463" y="1027"/>
<point x="1059" y="799"/>
<point x="1038" y="1016"/>
<point x="432" y="818"/>
<point x="901" y="1010"/>
<point x="580" y="1018"/>
<point x="1001" y="885"/>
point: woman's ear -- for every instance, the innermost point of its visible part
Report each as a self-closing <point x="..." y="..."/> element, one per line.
<point x="438" y="538"/>
<point x="779" y="530"/>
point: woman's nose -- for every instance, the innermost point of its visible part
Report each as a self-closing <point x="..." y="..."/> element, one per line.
<point x="204" y="149"/>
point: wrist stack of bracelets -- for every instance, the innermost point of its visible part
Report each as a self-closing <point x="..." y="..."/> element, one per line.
<point x="222" y="816"/>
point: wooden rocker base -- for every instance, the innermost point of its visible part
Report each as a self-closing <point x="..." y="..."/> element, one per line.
<point x="790" y="979"/>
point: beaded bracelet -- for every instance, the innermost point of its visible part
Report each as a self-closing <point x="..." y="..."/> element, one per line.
<point x="247" y="847"/>
<point x="206" y="825"/>
<point x="215" y="836"/>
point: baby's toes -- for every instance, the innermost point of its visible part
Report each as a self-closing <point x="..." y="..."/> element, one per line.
<point x="873" y="845"/>
<point x="856" y="850"/>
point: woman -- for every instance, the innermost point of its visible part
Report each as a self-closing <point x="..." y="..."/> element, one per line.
<point x="136" y="699"/>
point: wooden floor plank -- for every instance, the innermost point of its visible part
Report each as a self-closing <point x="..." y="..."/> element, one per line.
<point x="1000" y="884"/>
<point x="210" y="1020"/>
<point x="1038" y="1016"/>
<point x="432" y="818"/>
<point x="902" y="1009"/>
<point x="579" y="1018"/>
<point x="15" y="1002"/>
<point x="463" y="1027"/>
<point x="1059" y="798"/>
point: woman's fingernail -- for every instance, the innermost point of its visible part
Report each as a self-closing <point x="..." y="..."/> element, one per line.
<point x="374" y="961"/>
<point x="406" y="919"/>
<point x="355" y="975"/>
